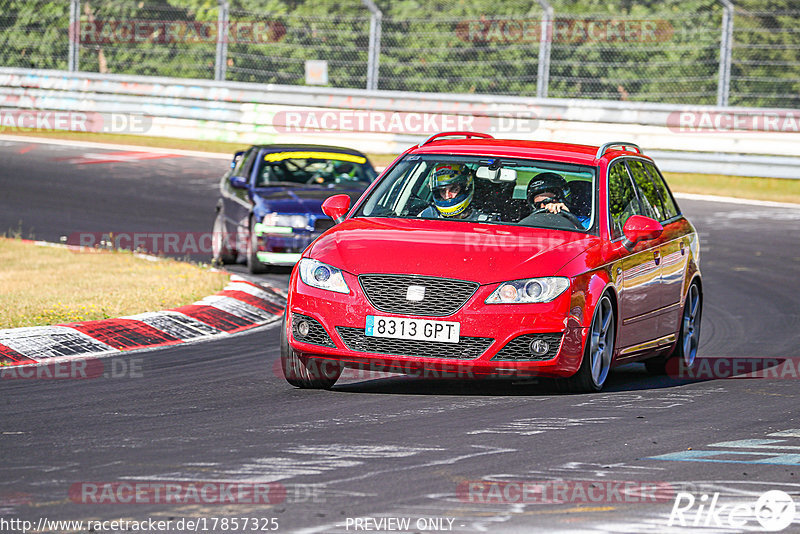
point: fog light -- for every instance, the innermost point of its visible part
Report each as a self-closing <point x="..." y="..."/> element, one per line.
<point x="302" y="328"/>
<point x="539" y="347"/>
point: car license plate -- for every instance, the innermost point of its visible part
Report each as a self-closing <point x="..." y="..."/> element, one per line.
<point x="422" y="329"/>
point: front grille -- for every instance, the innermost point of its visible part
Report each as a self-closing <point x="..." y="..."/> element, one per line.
<point x="518" y="349"/>
<point x="467" y="348"/>
<point x="443" y="296"/>
<point x="316" y="332"/>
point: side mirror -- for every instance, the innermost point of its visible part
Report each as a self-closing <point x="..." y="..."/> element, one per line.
<point x="640" y="228"/>
<point x="236" y="157"/>
<point x="238" y="182"/>
<point x="336" y="207"/>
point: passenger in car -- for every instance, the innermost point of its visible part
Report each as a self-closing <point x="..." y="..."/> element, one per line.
<point x="548" y="192"/>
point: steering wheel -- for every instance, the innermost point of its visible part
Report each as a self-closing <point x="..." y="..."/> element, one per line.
<point x="571" y="217"/>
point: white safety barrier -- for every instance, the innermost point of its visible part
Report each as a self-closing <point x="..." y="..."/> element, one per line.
<point x="699" y="139"/>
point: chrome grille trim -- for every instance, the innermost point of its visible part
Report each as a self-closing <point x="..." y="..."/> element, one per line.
<point x="443" y="296"/>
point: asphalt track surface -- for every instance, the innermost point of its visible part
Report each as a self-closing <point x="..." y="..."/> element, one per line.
<point x="399" y="447"/>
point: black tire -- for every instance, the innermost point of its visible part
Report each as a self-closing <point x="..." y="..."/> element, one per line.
<point x="597" y="354"/>
<point x="253" y="265"/>
<point x="221" y="250"/>
<point x="316" y="374"/>
<point x="685" y="351"/>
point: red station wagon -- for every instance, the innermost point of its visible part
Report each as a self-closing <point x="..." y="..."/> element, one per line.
<point x="479" y="257"/>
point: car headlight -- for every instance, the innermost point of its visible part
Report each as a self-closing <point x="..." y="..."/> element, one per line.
<point x="529" y="290"/>
<point x="280" y="219"/>
<point x="323" y="276"/>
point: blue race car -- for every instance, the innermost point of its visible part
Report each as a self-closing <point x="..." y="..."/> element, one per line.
<point x="270" y="200"/>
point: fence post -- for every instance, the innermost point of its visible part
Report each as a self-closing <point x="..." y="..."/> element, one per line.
<point x="725" y="53"/>
<point x="374" y="54"/>
<point x="222" y="42"/>
<point x="74" y="35"/>
<point x="543" y="73"/>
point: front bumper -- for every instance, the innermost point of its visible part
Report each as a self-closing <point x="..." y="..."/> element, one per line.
<point x="278" y="245"/>
<point x="494" y="339"/>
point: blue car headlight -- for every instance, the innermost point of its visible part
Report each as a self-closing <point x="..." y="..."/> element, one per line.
<point x="322" y="276"/>
<point x="529" y="290"/>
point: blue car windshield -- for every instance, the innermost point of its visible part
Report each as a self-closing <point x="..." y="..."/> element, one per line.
<point x="488" y="190"/>
<point x="308" y="167"/>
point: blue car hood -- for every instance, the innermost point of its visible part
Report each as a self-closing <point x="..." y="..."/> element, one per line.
<point x="299" y="199"/>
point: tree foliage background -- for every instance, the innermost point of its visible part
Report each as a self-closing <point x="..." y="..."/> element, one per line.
<point x="453" y="46"/>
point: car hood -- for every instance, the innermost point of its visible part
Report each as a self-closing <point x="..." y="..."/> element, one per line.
<point x="300" y="199"/>
<point x="451" y="249"/>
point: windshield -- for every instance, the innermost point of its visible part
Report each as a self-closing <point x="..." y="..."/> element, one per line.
<point x="487" y="190"/>
<point x="305" y="167"/>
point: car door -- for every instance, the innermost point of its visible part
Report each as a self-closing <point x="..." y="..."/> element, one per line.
<point x="639" y="283"/>
<point x="675" y="247"/>
<point x="237" y="201"/>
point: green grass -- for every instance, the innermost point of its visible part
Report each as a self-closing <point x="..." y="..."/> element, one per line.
<point x="776" y="189"/>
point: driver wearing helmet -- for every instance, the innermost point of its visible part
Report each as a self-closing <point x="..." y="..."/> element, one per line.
<point x="453" y="187"/>
<point x="549" y="192"/>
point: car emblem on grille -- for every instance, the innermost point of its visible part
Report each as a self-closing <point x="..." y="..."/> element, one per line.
<point x="415" y="293"/>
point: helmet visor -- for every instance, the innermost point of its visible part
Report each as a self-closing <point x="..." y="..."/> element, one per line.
<point x="448" y="192"/>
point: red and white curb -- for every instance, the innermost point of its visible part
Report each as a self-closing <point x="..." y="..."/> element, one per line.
<point x="241" y="305"/>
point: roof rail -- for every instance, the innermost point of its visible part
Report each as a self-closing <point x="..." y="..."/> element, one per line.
<point x="624" y="144"/>
<point x="468" y="135"/>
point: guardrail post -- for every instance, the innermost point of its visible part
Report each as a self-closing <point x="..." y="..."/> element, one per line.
<point x="222" y="42"/>
<point x="74" y="35"/>
<point x="374" y="54"/>
<point x="545" y="41"/>
<point x="725" y="53"/>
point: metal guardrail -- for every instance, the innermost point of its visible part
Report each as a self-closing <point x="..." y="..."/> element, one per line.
<point x="250" y="113"/>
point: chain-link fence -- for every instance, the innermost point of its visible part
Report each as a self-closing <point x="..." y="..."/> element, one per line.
<point x="679" y="51"/>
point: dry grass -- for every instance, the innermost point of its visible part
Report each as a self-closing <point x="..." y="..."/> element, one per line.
<point x="47" y="285"/>
<point x="776" y="189"/>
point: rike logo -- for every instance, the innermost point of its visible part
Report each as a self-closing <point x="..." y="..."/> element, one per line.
<point x="774" y="511"/>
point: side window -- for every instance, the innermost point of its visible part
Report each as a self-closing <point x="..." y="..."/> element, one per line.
<point x="246" y="163"/>
<point x="622" y="201"/>
<point x="652" y="205"/>
<point x="670" y="208"/>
